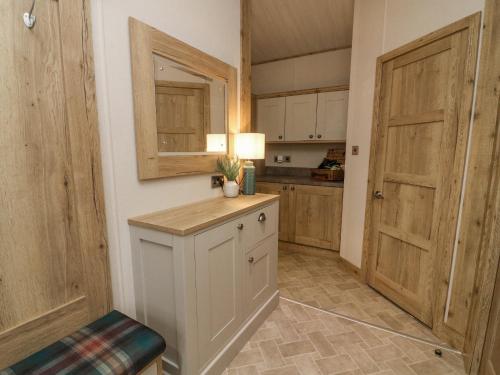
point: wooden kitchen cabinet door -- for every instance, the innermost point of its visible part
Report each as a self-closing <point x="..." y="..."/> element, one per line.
<point x="271" y="118"/>
<point x="300" y="120"/>
<point x="317" y="215"/>
<point x="283" y="191"/>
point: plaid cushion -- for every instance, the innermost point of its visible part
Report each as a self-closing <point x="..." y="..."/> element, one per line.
<point x="114" y="344"/>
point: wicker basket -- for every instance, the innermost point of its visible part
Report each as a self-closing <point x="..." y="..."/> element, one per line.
<point x="328" y="174"/>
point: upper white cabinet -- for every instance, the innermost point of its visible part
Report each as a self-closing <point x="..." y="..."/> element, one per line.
<point x="300" y="118"/>
<point x="332" y="115"/>
<point x="271" y="118"/>
<point x="304" y="118"/>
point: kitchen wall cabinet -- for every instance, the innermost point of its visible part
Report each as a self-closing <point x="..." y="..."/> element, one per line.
<point x="271" y="118"/>
<point x="332" y="115"/>
<point x="308" y="118"/>
<point x="309" y="215"/>
<point x="205" y="277"/>
<point x="300" y="117"/>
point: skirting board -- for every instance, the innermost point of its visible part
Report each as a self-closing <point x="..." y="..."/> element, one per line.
<point x="226" y="355"/>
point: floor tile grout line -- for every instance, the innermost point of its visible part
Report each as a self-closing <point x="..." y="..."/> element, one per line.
<point x="423" y="341"/>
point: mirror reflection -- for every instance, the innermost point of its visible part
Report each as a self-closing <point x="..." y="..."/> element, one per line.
<point x="191" y="110"/>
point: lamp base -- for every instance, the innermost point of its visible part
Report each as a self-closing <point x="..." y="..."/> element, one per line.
<point x="249" y="184"/>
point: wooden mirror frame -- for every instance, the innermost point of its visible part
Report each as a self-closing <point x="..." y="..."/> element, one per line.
<point x="144" y="42"/>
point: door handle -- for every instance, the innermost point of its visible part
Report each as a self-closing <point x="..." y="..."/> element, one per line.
<point x="240" y="226"/>
<point x="378" y="195"/>
<point x="250" y="260"/>
<point x="262" y="217"/>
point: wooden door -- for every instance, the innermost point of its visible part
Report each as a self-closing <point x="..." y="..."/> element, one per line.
<point x="490" y="362"/>
<point x="261" y="273"/>
<point x="422" y="117"/>
<point x="219" y="280"/>
<point x="332" y="115"/>
<point x="316" y="216"/>
<point x="182" y="116"/>
<point x="54" y="275"/>
<point x="283" y="191"/>
<point x="300" y="120"/>
<point x="271" y="118"/>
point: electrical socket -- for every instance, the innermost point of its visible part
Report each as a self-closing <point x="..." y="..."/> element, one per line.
<point x="355" y="150"/>
<point x="217" y="181"/>
<point x="284" y="159"/>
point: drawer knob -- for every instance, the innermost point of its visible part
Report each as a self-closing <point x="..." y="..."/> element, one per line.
<point x="240" y="226"/>
<point x="262" y="217"/>
<point x="311" y="136"/>
<point x="319" y="135"/>
<point x="250" y="260"/>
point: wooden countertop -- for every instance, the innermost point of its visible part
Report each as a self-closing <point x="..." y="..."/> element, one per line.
<point x="299" y="180"/>
<point x="191" y="218"/>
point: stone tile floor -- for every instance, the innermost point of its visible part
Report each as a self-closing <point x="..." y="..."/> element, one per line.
<point x="298" y="340"/>
<point x="327" y="283"/>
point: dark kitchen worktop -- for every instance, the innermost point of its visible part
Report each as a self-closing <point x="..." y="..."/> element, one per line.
<point x="297" y="176"/>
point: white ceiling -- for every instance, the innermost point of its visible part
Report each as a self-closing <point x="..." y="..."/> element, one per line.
<point x="287" y="28"/>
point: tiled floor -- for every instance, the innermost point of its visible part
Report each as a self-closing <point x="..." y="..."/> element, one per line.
<point x="297" y="340"/>
<point x="327" y="283"/>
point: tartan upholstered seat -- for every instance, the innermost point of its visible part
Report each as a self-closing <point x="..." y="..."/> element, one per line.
<point x="114" y="344"/>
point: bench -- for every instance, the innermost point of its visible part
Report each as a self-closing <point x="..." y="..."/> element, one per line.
<point x="113" y="344"/>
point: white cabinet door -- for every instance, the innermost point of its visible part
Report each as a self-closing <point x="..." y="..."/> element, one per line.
<point x="300" y="121"/>
<point x="332" y="115"/>
<point x="219" y="282"/>
<point x="261" y="273"/>
<point x="271" y="118"/>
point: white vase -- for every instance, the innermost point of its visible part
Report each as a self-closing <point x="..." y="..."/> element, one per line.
<point x="231" y="189"/>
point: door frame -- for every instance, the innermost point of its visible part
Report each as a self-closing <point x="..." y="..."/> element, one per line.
<point x="485" y="166"/>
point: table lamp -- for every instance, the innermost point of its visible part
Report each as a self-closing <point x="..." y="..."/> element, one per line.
<point x="248" y="147"/>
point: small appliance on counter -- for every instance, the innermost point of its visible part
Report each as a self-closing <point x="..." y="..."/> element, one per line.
<point x="332" y="166"/>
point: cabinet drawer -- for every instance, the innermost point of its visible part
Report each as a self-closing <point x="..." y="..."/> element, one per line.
<point x="259" y="225"/>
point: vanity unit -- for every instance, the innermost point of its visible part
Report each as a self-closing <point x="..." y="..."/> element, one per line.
<point x="205" y="277"/>
<point x="309" y="214"/>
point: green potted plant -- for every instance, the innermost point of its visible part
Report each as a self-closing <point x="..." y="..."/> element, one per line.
<point x="230" y="168"/>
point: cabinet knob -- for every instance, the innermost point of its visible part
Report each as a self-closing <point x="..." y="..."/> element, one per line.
<point x="319" y="135"/>
<point x="262" y="217"/>
<point x="378" y="195"/>
<point x="280" y="137"/>
<point x="311" y="136"/>
<point x="240" y="226"/>
<point x="250" y="260"/>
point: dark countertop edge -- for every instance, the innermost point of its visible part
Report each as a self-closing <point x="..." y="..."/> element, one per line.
<point x="299" y="181"/>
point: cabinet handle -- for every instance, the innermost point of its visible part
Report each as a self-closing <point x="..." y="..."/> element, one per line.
<point x="311" y="136"/>
<point x="280" y="137"/>
<point x="319" y="135"/>
<point x="262" y="217"/>
<point x="285" y="187"/>
<point x="292" y="188"/>
<point x="250" y="260"/>
<point x="240" y="226"/>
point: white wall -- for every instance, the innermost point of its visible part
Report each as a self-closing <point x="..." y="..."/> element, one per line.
<point x="380" y="26"/>
<point x="210" y="25"/>
<point x="306" y="72"/>
<point x="298" y="73"/>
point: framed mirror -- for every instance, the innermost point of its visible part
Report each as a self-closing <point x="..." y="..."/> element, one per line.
<point x="184" y="105"/>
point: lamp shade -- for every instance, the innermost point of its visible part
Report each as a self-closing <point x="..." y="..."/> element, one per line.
<point x="250" y="146"/>
<point x="216" y="142"/>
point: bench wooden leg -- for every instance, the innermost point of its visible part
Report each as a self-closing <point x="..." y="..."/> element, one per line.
<point x="159" y="365"/>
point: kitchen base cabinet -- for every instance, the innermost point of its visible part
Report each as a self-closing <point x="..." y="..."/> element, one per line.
<point x="317" y="216"/>
<point x="309" y="215"/>
<point x="284" y="192"/>
<point x="206" y="283"/>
